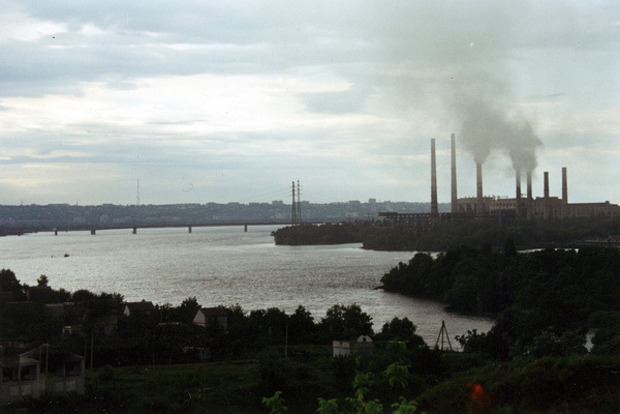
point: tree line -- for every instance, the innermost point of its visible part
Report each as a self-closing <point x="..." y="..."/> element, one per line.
<point x="442" y="236"/>
<point x="543" y="301"/>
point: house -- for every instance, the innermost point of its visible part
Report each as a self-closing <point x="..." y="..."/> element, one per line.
<point x="43" y="370"/>
<point x="144" y="308"/>
<point x="209" y="317"/>
<point x="362" y="345"/>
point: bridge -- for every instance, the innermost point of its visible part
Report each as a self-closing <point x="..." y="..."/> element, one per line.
<point x="134" y="227"/>
<point x="190" y="226"/>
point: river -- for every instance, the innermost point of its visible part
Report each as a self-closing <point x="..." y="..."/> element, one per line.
<point x="226" y="266"/>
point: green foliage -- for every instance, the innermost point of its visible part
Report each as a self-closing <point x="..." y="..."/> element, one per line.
<point x="327" y="406"/>
<point x="404" y="407"/>
<point x="398" y="375"/>
<point x="275" y="403"/>
<point x="362" y="383"/>
<point x="542" y="299"/>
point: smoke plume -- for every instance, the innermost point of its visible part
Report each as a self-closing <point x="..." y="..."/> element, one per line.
<point x="490" y="125"/>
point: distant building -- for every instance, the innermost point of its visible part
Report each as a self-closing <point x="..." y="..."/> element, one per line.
<point x="41" y="371"/>
<point x="362" y="345"/>
<point x="142" y="308"/>
<point x="212" y="317"/>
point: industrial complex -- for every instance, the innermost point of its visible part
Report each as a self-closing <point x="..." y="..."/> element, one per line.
<point x="521" y="207"/>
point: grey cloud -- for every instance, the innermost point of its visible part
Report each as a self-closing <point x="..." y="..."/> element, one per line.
<point x="341" y="102"/>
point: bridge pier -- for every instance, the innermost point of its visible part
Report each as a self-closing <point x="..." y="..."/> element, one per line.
<point x="55" y="232"/>
<point x="93" y="231"/>
<point x="245" y="228"/>
<point x="189" y="229"/>
<point x="134" y="230"/>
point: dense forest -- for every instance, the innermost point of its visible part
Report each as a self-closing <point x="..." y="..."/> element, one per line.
<point x="547" y="298"/>
<point x="448" y="235"/>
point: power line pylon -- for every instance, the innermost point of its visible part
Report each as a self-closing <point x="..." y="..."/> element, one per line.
<point x="298" y="203"/>
<point x="293" y="206"/>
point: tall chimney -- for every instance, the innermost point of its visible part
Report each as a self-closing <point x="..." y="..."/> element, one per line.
<point x="546" y="184"/>
<point x="528" y="204"/>
<point x="454" y="199"/>
<point x="564" y="186"/>
<point x="434" y="206"/>
<point x="479" y="196"/>
<point x="518" y="183"/>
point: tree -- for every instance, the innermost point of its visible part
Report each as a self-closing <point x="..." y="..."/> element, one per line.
<point x="400" y="330"/>
<point x="9" y="282"/>
<point x="345" y="323"/>
<point x="301" y="327"/>
<point x="187" y="310"/>
<point x="43" y="281"/>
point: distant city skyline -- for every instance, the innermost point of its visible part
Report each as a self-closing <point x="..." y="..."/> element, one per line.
<point x="230" y="102"/>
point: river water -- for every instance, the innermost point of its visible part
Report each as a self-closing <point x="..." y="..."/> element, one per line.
<point x="225" y="266"/>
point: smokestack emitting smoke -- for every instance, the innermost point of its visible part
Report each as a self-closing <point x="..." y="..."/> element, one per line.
<point x="546" y="185"/>
<point x="564" y="186"/>
<point x="529" y="185"/>
<point x="479" y="192"/>
<point x="454" y="199"/>
<point x="491" y="124"/>
<point x="434" y="205"/>
<point x="518" y="183"/>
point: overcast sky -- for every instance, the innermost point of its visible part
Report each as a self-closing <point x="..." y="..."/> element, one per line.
<point x="222" y="101"/>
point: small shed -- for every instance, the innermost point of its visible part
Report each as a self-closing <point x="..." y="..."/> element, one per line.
<point x="362" y="345"/>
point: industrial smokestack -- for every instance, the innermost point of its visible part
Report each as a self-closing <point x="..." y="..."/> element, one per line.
<point x="529" y="185"/>
<point x="434" y="206"/>
<point x="479" y="196"/>
<point x="564" y="186"/>
<point x="454" y="199"/>
<point x="518" y="183"/>
<point x="546" y="184"/>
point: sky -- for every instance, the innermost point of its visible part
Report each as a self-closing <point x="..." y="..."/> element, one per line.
<point x="166" y="102"/>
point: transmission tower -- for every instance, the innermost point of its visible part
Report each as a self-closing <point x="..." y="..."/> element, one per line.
<point x="298" y="203"/>
<point x="293" y="206"/>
